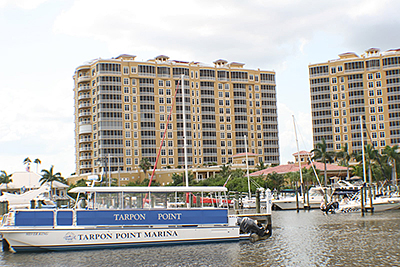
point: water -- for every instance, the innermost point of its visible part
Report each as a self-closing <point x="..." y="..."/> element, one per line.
<point x="307" y="238"/>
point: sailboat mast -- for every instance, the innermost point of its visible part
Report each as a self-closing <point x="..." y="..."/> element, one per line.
<point x="298" y="153"/>
<point x="362" y="147"/>
<point x="247" y="165"/>
<point x="184" y="129"/>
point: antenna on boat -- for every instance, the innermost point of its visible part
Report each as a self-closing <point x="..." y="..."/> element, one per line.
<point x="184" y="129"/>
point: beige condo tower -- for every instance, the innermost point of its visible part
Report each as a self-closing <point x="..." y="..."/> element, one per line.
<point x="351" y="86"/>
<point x="122" y="107"/>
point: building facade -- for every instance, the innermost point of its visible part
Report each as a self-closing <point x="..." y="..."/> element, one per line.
<point x="350" y="87"/>
<point x="122" y="107"/>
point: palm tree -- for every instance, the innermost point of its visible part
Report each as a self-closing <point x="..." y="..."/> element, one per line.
<point x="5" y="178"/>
<point x="321" y="154"/>
<point x="345" y="156"/>
<point x="37" y="161"/>
<point x="145" y="165"/>
<point x="49" y="177"/>
<point x="370" y="154"/>
<point x="27" y="161"/>
<point x="261" y="166"/>
<point x="393" y="157"/>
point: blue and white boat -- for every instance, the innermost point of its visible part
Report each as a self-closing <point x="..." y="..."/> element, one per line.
<point x="117" y="217"/>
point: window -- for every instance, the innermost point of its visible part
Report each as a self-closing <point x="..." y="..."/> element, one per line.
<point x="227" y="86"/>
<point x="343" y="104"/>
<point x="133" y="90"/>
<point x="371" y="92"/>
<point x="127" y="125"/>
<point x="127" y="117"/>
<point x="375" y="143"/>
<point x="345" y="129"/>
<point x="344" y="121"/>
<point x="370" y="76"/>
<point x="382" y="134"/>
<point x="133" y="69"/>
<point x="337" y="121"/>
<point x="370" y="84"/>
<point x="220" y="94"/>
<point x="342" y="87"/>
<point x="128" y="161"/>
<point x="378" y="75"/>
<point x="160" y="91"/>
<point x="126" y="90"/>
<point x="372" y="101"/>
<point x="337" y="129"/>
<point x="373" y="118"/>
<point x="380" y="100"/>
<point x="126" y="70"/>
<point x="168" y="83"/>
<point x="171" y="161"/>
<point x="161" y="100"/>
<point x="379" y="92"/>
<point x="381" y="126"/>
<point x="335" y="97"/>
<point x="380" y="109"/>
<point x="378" y="84"/>
<point x="342" y="79"/>
<point x="374" y="135"/>
<point x="126" y="107"/>
<point x="334" y="80"/>
<point x="227" y="102"/>
<point x="381" y="118"/>
<point x="126" y="99"/>
<point x="340" y="68"/>
<point x="383" y="143"/>
<point x="337" y="137"/>
<point x="372" y="110"/>
<point x="335" y="104"/>
<point x="127" y="143"/>
<point x="373" y="126"/>
<point x="220" y="86"/>
<point x="161" y="83"/>
<point x="336" y="113"/>
<point x="168" y="92"/>
<point x="333" y="70"/>
<point x="345" y="137"/>
<point x="133" y="99"/>
<point x="337" y="146"/>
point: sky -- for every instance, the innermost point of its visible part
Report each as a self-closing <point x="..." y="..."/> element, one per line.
<point x="43" y="41"/>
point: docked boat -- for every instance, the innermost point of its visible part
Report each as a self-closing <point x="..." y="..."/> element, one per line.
<point x="117" y="217"/>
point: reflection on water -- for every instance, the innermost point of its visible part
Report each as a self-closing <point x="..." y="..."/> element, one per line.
<point x="298" y="239"/>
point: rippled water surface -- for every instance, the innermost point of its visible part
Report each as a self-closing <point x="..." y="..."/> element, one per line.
<point x="298" y="239"/>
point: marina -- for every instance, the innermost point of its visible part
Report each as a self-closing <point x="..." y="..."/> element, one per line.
<point x="305" y="238"/>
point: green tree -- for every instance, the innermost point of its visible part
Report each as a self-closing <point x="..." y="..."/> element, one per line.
<point x="321" y="154"/>
<point x="37" y="162"/>
<point x="276" y="181"/>
<point x="261" y="166"/>
<point x="50" y="177"/>
<point x="5" y="178"/>
<point x="145" y="165"/>
<point x="393" y="158"/>
<point x="345" y="157"/>
<point x="178" y="179"/>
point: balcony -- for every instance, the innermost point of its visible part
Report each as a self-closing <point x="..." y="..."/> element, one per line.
<point x="88" y="139"/>
<point x="85" y="166"/>
<point x="85" y="148"/>
<point x="84" y="105"/>
<point x="82" y="114"/>
<point x="84" y="79"/>
<point x="85" y="158"/>
<point x="268" y="82"/>
<point x="83" y="96"/>
<point x="83" y="88"/>
<point x="84" y="129"/>
<point x="84" y="122"/>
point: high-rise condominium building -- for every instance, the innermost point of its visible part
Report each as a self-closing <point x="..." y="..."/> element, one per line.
<point x="122" y="107"/>
<point x="345" y="89"/>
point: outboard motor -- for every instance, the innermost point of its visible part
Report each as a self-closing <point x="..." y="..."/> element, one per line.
<point x="331" y="207"/>
<point x="248" y="225"/>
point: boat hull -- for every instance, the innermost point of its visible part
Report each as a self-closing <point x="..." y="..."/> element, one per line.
<point x="51" y="239"/>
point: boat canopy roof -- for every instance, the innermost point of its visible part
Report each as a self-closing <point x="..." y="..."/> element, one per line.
<point x="146" y="189"/>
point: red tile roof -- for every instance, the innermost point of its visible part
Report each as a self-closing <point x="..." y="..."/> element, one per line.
<point x="295" y="168"/>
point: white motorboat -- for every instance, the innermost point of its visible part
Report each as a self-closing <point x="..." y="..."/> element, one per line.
<point x="20" y="201"/>
<point x="288" y="201"/>
<point x="116" y="217"/>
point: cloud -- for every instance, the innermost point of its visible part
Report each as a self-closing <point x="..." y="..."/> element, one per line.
<point x="24" y="4"/>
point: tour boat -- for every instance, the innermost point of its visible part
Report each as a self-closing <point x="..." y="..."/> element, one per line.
<point x="117" y="217"/>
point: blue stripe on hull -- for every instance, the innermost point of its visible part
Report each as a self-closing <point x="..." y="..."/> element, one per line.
<point x="120" y="245"/>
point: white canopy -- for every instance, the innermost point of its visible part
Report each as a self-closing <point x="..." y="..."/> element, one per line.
<point x="144" y="189"/>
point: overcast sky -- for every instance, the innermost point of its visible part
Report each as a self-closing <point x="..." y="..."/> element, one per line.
<point x="43" y="41"/>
